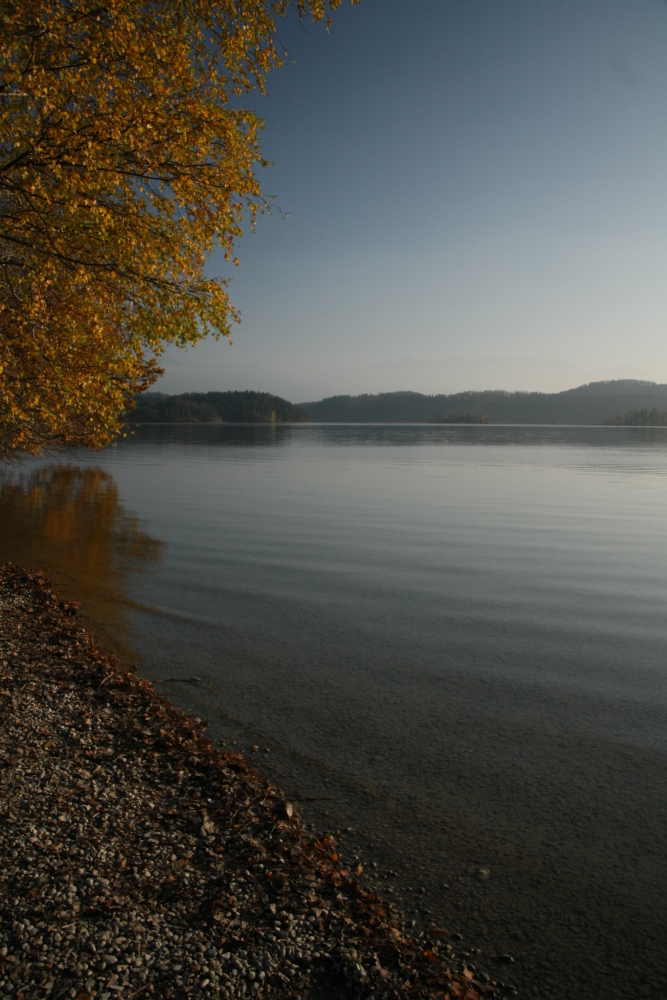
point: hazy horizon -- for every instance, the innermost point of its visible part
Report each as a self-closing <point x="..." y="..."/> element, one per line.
<point x="409" y="375"/>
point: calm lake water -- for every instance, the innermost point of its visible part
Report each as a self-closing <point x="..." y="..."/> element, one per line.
<point x="452" y="640"/>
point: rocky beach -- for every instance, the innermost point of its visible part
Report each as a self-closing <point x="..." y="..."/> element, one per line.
<point x="140" y="860"/>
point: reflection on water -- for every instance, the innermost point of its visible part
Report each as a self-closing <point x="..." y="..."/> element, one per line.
<point x="260" y="436"/>
<point x="71" y="523"/>
<point x="226" y="435"/>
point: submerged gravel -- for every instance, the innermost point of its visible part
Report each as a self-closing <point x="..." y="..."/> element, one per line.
<point x="137" y="859"/>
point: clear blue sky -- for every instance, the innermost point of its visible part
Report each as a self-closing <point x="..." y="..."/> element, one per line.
<point x="477" y="198"/>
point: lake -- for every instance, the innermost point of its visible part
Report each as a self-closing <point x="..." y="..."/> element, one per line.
<point x="446" y="642"/>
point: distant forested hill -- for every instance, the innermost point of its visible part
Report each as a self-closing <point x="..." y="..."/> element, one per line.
<point x="588" y="404"/>
<point x="215" y="407"/>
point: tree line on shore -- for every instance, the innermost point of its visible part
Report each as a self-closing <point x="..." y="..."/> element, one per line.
<point x="587" y="404"/>
<point x="639" y="418"/>
<point x="245" y="407"/>
<point x="458" y="418"/>
<point x="590" y="404"/>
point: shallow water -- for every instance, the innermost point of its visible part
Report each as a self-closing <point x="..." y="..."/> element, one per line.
<point x="451" y="639"/>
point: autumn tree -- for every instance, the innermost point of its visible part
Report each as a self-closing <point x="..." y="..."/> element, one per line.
<point x="126" y="156"/>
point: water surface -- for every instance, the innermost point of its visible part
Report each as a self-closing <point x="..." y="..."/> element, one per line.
<point x="451" y="639"/>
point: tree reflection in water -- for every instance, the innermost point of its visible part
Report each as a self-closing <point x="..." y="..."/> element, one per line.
<point x="70" y="522"/>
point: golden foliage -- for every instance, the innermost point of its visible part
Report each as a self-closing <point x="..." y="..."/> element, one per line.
<point x="125" y="158"/>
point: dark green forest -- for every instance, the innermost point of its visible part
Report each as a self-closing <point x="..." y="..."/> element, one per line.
<point x="621" y="402"/>
<point x="639" y="418"/>
<point x="215" y="407"/>
<point x="594" y="403"/>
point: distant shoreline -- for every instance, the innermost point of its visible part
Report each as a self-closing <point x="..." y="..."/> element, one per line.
<point x="375" y="423"/>
<point x="621" y="403"/>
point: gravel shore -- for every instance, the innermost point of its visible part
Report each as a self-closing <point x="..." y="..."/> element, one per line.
<point x="137" y="859"/>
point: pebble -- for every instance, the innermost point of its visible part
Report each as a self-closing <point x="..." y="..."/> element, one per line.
<point x="136" y="859"/>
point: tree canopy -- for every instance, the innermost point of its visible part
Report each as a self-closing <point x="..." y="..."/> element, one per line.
<point x="244" y="407"/>
<point x="126" y="156"/>
<point x="639" y="418"/>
